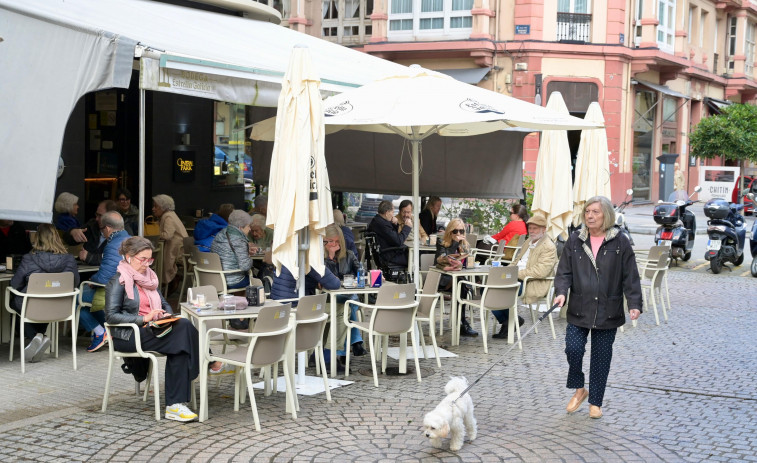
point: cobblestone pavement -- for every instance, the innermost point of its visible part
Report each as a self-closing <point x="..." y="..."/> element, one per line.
<point x="682" y="391"/>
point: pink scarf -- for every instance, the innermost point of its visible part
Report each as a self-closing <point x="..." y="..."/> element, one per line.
<point x="148" y="281"/>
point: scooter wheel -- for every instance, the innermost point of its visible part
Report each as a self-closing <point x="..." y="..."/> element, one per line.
<point x="754" y="267"/>
<point x="687" y="256"/>
<point x="740" y="260"/>
<point x="716" y="266"/>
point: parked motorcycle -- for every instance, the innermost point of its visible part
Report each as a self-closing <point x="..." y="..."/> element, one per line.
<point x="727" y="232"/>
<point x="678" y="226"/>
<point x="753" y="242"/>
<point x="620" y="220"/>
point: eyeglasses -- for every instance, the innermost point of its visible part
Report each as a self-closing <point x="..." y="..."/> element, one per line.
<point x="336" y="241"/>
<point x="145" y="260"/>
<point x="458" y="231"/>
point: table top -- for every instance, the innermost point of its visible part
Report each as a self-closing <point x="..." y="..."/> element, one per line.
<point x="356" y="290"/>
<point x="216" y="312"/>
<point x="82" y="268"/>
<point x="479" y="270"/>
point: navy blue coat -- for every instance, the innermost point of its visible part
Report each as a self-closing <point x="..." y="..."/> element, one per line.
<point x="285" y="286"/>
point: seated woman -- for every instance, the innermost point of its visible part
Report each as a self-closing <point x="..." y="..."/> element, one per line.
<point x="67" y="207"/>
<point x="349" y="237"/>
<point x="132" y="296"/>
<point x="172" y="231"/>
<point x="449" y="251"/>
<point x="233" y="247"/>
<point x="341" y="261"/>
<point x="48" y="255"/>
<point x="516" y="225"/>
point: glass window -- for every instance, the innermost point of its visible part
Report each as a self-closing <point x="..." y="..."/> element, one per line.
<point x="749" y="49"/>
<point x="643" y="127"/>
<point x="440" y="17"/>
<point x="231" y="162"/>
<point x="348" y="21"/>
<point x="669" y="110"/>
<point x="666" y="14"/>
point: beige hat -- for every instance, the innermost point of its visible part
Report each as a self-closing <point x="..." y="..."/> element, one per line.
<point x="538" y="220"/>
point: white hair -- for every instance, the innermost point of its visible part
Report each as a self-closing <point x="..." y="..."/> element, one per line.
<point x="164" y="202"/>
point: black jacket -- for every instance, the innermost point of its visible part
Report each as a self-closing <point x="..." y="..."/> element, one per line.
<point x="41" y="262"/>
<point x="597" y="288"/>
<point x="120" y="309"/>
<point x="427" y="221"/>
<point x="388" y="237"/>
<point x="15" y="242"/>
<point x="342" y="267"/>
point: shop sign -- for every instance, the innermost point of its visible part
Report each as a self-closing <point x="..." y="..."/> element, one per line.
<point x="183" y="166"/>
<point x="717" y="182"/>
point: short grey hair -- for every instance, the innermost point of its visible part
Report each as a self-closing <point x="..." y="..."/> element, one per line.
<point x="239" y="218"/>
<point x="65" y="203"/>
<point x="258" y="220"/>
<point x="164" y="202"/>
<point x="113" y="219"/>
<point x="384" y="207"/>
<point x="608" y="211"/>
<point x="260" y="201"/>
<point x="338" y="217"/>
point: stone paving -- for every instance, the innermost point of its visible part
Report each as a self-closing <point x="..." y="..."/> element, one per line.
<point x="682" y="391"/>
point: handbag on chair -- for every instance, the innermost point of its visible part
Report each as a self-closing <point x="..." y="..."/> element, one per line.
<point x="152" y="226"/>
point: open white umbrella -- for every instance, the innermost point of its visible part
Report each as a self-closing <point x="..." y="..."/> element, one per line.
<point x="298" y="188"/>
<point x="553" y="197"/>
<point x="592" y="164"/>
<point x="420" y="103"/>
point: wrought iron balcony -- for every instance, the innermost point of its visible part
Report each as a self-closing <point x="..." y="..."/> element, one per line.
<point x="573" y="27"/>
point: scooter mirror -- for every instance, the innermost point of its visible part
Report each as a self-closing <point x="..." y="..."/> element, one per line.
<point x="629" y="191"/>
<point x="697" y="189"/>
<point x="680" y="203"/>
<point x="659" y="201"/>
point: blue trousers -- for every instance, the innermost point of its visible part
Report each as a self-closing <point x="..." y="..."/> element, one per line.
<point x="601" y="356"/>
<point x="88" y="321"/>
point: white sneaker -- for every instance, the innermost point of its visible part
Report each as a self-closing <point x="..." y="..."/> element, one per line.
<point x="180" y="412"/>
<point x="33" y="348"/>
<point x="42" y="349"/>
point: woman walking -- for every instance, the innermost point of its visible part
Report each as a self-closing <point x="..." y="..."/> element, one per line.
<point x="598" y="266"/>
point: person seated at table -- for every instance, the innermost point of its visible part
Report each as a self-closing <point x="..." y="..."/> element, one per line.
<point x="429" y="214"/>
<point x="13" y="239"/>
<point x="128" y="211"/>
<point x="92" y="321"/>
<point x="285" y="286"/>
<point x="450" y="255"/>
<point x="48" y="255"/>
<point x="341" y="261"/>
<point x="206" y="229"/>
<point x="388" y="235"/>
<point x="261" y="239"/>
<point x="405" y="213"/>
<point x="67" y="207"/>
<point x="133" y="296"/>
<point x="91" y="235"/>
<point x="233" y="248"/>
<point x="349" y="237"/>
<point x="515" y="226"/>
<point x="172" y="232"/>
<point x="537" y="258"/>
<point x="260" y="206"/>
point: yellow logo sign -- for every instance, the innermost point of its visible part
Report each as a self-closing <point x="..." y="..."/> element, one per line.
<point x="185" y="166"/>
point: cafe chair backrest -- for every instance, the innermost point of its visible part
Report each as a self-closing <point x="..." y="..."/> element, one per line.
<point x="388" y="320"/>
<point x="502" y="276"/>
<point x="310" y="308"/>
<point x="268" y="349"/>
<point x="188" y="243"/>
<point x="430" y="286"/>
<point x="211" y="295"/>
<point x="53" y="308"/>
<point x="209" y="261"/>
<point x="497" y="295"/>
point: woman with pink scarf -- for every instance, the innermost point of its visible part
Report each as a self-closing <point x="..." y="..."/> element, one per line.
<point x="132" y="296"/>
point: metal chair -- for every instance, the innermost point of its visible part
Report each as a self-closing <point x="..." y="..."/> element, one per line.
<point x="49" y="298"/>
<point x="393" y="314"/>
<point x="428" y="299"/>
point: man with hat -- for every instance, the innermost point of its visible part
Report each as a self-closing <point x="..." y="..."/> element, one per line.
<point x="537" y="258"/>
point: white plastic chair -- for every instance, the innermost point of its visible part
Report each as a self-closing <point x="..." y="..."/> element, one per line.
<point x="209" y="272"/>
<point x="428" y="299"/>
<point x="50" y="298"/>
<point x="654" y="277"/>
<point x="547" y="299"/>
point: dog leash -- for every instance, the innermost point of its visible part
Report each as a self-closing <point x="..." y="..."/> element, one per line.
<point x="538" y="321"/>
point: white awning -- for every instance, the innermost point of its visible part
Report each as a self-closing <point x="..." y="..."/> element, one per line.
<point x="61" y="50"/>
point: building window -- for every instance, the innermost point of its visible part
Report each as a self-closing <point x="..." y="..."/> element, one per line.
<point x="231" y="161"/>
<point x="347" y="21"/>
<point x="430" y="18"/>
<point x="279" y="5"/>
<point x="731" y="43"/>
<point x="637" y="22"/>
<point x="643" y="131"/>
<point x="666" y="15"/>
<point x="573" y="20"/>
<point x="690" y="24"/>
<point x="702" y="22"/>
<point x="749" y="49"/>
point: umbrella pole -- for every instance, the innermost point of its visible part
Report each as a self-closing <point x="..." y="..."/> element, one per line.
<point x="302" y="252"/>
<point x="415" y="141"/>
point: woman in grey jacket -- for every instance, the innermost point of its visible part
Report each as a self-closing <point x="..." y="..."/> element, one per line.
<point x="598" y="266"/>
<point x="233" y="248"/>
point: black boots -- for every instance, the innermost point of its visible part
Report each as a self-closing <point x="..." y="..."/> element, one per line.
<point x="466" y="329"/>
<point x="503" y="330"/>
<point x="358" y="349"/>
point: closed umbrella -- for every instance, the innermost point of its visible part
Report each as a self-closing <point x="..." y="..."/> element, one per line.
<point x="592" y="163"/>
<point x="298" y="188"/>
<point x="419" y="103"/>
<point x="553" y="196"/>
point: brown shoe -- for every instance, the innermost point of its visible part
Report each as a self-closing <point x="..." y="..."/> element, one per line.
<point x="577" y="399"/>
<point x="595" y="412"/>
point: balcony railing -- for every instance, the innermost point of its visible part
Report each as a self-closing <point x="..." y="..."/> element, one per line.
<point x="574" y="27"/>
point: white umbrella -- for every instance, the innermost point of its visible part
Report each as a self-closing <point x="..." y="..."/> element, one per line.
<point x="553" y="197"/>
<point x="592" y="164"/>
<point x="298" y="188"/>
<point x="420" y="103"/>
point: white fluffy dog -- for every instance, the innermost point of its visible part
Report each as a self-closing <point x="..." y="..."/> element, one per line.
<point x="451" y="420"/>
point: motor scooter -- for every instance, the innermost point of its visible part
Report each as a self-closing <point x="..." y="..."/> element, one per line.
<point x="620" y="220"/>
<point x="678" y="226"/>
<point x="727" y="232"/>
<point x="753" y="242"/>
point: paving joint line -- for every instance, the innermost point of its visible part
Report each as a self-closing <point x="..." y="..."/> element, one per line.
<point x="682" y="391"/>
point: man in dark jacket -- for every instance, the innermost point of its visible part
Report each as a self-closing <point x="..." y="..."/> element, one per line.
<point x="113" y="230"/>
<point x="385" y="226"/>
<point x="598" y="266"/>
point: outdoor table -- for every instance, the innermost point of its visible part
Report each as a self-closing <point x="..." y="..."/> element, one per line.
<point x="334" y="319"/>
<point x="200" y="317"/>
<point x="454" y="316"/>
